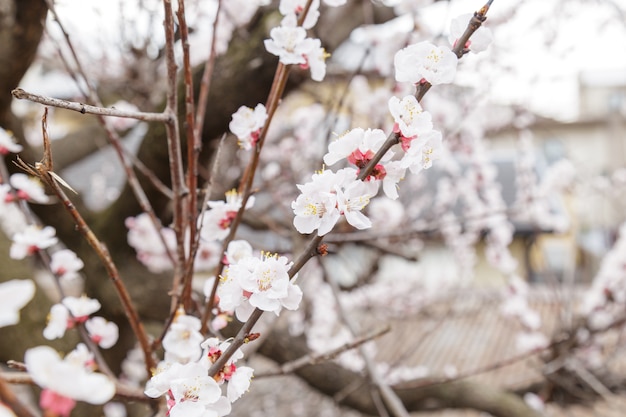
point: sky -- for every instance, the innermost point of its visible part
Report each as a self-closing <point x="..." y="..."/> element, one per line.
<point x="542" y="47"/>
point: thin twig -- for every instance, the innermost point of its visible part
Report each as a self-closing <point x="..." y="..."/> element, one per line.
<point x="174" y="152"/>
<point x="194" y="146"/>
<point x="8" y="397"/>
<point x="314" y="359"/>
<point x="88" y="109"/>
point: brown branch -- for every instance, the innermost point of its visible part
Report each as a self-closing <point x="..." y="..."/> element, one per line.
<point x="82" y="108"/>
<point x="194" y="146"/>
<point x="43" y="170"/>
<point x="314" y="359"/>
<point x="174" y="152"/>
<point x="8" y="397"/>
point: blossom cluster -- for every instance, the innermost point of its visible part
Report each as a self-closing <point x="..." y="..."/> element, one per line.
<point x="250" y="282"/>
<point x="183" y="375"/>
<point x="290" y="43"/>
<point x="76" y="310"/>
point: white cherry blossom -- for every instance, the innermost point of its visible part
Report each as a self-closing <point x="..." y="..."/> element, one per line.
<point x="215" y="225"/>
<point x="316" y="60"/>
<point x="425" y="61"/>
<point x="352" y="200"/>
<point x="65" y="264"/>
<point x="58" y="320"/>
<point x="14" y="295"/>
<point x="183" y="338"/>
<point x="409" y="117"/>
<point x="316" y="206"/>
<point x="267" y="282"/>
<point x="103" y="332"/>
<point x="247" y="123"/>
<point x="358" y="146"/>
<point x="422" y="151"/>
<point x="289" y="43"/>
<point x="81" y="307"/>
<point x="67" y="377"/>
<point x="190" y="390"/>
<point x="31" y="240"/>
<point x="237" y="250"/>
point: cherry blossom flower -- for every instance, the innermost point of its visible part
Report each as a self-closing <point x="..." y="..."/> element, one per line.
<point x="190" y="391"/>
<point x="425" y="61"/>
<point x="409" y="117"/>
<point x="267" y="282"/>
<point x="31" y="240"/>
<point x="329" y="196"/>
<point x="480" y="40"/>
<point x="394" y="174"/>
<point x="183" y="338"/>
<point x="316" y="206"/>
<point x="65" y="264"/>
<point x="7" y="143"/>
<point x="335" y="3"/>
<point x="216" y="222"/>
<point x="230" y="295"/>
<point x="359" y="146"/>
<point x="81" y="307"/>
<point x="67" y="377"/>
<point x="28" y="188"/>
<point x="237" y="250"/>
<point x="239" y="383"/>
<point x="316" y="60"/>
<point x="289" y="43"/>
<point x="247" y="123"/>
<point x="351" y="200"/>
<point x="422" y="151"/>
<point x="14" y="295"/>
<point x="58" y="321"/>
<point x="103" y="332"/>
